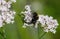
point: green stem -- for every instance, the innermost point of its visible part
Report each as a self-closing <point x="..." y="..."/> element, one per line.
<point x="2" y="33"/>
<point x="42" y="35"/>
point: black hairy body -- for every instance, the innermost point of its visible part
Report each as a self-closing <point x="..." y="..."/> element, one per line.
<point x="34" y="18"/>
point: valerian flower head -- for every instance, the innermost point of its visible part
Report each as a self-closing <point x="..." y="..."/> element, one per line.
<point x="28" y="15"/>
<point x="6" y="15"/>
<point x="48" y="23"/>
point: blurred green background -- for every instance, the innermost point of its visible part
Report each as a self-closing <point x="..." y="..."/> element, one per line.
<point x="46" y="7"/>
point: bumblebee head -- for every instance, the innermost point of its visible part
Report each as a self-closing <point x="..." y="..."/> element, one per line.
<point x="35" y="14"/>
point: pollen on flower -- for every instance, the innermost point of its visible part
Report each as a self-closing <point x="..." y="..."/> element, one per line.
<point x="6" y="15"/>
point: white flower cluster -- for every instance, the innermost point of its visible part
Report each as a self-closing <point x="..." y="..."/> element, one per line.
<point x="27" y="14"/>
<point x="6" y="15"/>
<point x="48" y="23"/>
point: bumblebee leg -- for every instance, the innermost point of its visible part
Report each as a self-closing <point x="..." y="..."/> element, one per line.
<point x="36" y="24"/>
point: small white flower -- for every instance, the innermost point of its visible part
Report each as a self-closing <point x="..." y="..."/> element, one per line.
<point x="42" y="19"/>
<point x="3" y="2"/>
<point x="27" y="7"/>
<point x="12" y="21"/>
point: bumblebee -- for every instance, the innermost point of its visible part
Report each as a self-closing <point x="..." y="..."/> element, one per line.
<point x="34" y="18"/>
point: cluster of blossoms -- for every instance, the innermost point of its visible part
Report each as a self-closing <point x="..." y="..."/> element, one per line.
<point x="27" y="14"/>
<point x="6" y="15"/>
<point x="48" y="23"/>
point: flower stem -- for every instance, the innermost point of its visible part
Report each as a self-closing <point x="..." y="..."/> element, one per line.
<point x="42" y="35"/>
<point x="2" y="33"/>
